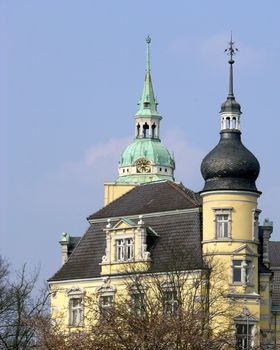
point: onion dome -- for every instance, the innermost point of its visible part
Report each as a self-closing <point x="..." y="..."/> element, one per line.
<point x="230" y="165"/>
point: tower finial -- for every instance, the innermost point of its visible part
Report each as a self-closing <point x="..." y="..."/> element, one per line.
<point x="231" y="51"/>
<point x="148" y="103"/>
<point x="148" y="41"/>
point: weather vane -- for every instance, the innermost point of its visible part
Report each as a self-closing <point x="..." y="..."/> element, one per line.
<point x="148" y="39"/>
<point x="231" y="50"/>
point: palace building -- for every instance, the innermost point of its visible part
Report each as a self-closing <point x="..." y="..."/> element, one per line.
<point x="149" y="218"/>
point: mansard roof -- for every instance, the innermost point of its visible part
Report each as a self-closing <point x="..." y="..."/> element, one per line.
<point x="178" y="239"/>
<point x="150" y="198"/>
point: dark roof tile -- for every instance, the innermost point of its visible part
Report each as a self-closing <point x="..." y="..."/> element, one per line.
<point x="150" y="198"/>
<point x="274" y="253"/>
<point x="178" y="246"/>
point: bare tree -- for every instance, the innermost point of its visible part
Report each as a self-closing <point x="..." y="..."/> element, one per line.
<point x="180" y="308"/>
<point x="19" y="306"/>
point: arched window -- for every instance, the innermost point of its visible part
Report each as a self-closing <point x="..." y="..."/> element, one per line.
<point x="233" y="123"/>
<point x="138" y="130"/>
<point x="153" y="131"/>
<point x="228" y="123"/>
<point x="145" y="130"/>
<point x="146" y="104"/>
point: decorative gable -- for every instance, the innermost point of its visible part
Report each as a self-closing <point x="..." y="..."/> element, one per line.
<point x="126" y="243"/>
<point x="244" y="250"/>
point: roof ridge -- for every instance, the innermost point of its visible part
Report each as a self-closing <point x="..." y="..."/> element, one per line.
<point x="136" y="186"/>
<point x="113" y="201"/>
<point x="182" y="189"/>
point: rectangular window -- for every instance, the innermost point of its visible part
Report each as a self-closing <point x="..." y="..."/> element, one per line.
<point x="243" y="336"/>
<point x="138" y="305"/>
<point x="170" y="302"/>
<point x="222" y="225"/>
<point x="106" y="303"/>
<point x="237" y="270"/>
<point x="124" y="249"/>
<point x="75" y="311"/>
<point x="242" y="271"/>
<point x="120" y="250"/>
<point x="129" y="248"/>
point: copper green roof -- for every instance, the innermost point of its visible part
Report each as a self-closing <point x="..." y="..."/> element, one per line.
<point x="151" y="149"/>
<point x="148" y="103"/>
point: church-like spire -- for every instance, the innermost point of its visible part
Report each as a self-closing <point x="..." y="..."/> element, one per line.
<point x="148" y="103"/>
<point x="231" y="52"/>
<point x="146" y="158"/>
<point x="230" y="109"/>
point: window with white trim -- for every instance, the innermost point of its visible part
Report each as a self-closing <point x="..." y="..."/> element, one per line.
<point x="242" y="271"/>
<point x="124" y="249"/>
<point x="170" y="301"/>
<point x="106" y="302"/>
<point x="243" y="333"/>
<point x="222" y="223"/>
<point x="237" y="271"/>
<point x="75" y="311"/>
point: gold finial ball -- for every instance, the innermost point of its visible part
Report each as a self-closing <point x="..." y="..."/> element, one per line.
<point x="148" y="39"/>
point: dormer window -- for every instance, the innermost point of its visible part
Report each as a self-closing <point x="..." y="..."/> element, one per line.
<point x="124" y="249"/>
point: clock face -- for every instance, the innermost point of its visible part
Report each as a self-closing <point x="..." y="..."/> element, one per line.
<point x="143" y="166"/>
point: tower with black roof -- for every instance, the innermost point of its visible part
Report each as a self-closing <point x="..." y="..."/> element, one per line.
<point x="230" y="219"/>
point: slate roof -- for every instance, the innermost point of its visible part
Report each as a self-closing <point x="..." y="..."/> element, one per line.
<point x="274" y="257"/>
<point x="274" y="253"/>
<point x="178" y="244"/>
<point x="150" y="198"/>
<point x="72" y="244"/>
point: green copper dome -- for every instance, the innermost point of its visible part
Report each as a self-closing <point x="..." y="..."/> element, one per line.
<point x="151" y="149"/>
<point x="146" y="159"/>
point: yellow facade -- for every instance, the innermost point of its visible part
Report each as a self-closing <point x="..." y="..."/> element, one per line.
<point x="114" y="190"/>
<point x="241" y="244"/>
<point x="240" y="271"/>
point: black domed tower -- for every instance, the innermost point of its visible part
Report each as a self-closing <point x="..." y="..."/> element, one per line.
<point x="230" y="209"/>
<point x="230" y="165"/>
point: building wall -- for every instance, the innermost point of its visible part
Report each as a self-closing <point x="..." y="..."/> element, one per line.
<point x="113" y="190"/>
<point x="241" y="244"/>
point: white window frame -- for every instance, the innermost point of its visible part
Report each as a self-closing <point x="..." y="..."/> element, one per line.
<point x="244" y="337"/>
<point x="129" y="248"/>
<point x="104" y="308"/>
<point x="221" y="223"/>
<point x="124" y="249"/>
<point x="246" y="266"/>
<point x="236" y="267"/>
<point x="77" y="310"/>
<point x="170" y="305"/>
<point x="120" y="249"/>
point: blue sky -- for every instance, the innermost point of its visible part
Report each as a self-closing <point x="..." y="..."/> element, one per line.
<point x="71" y="73"/>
